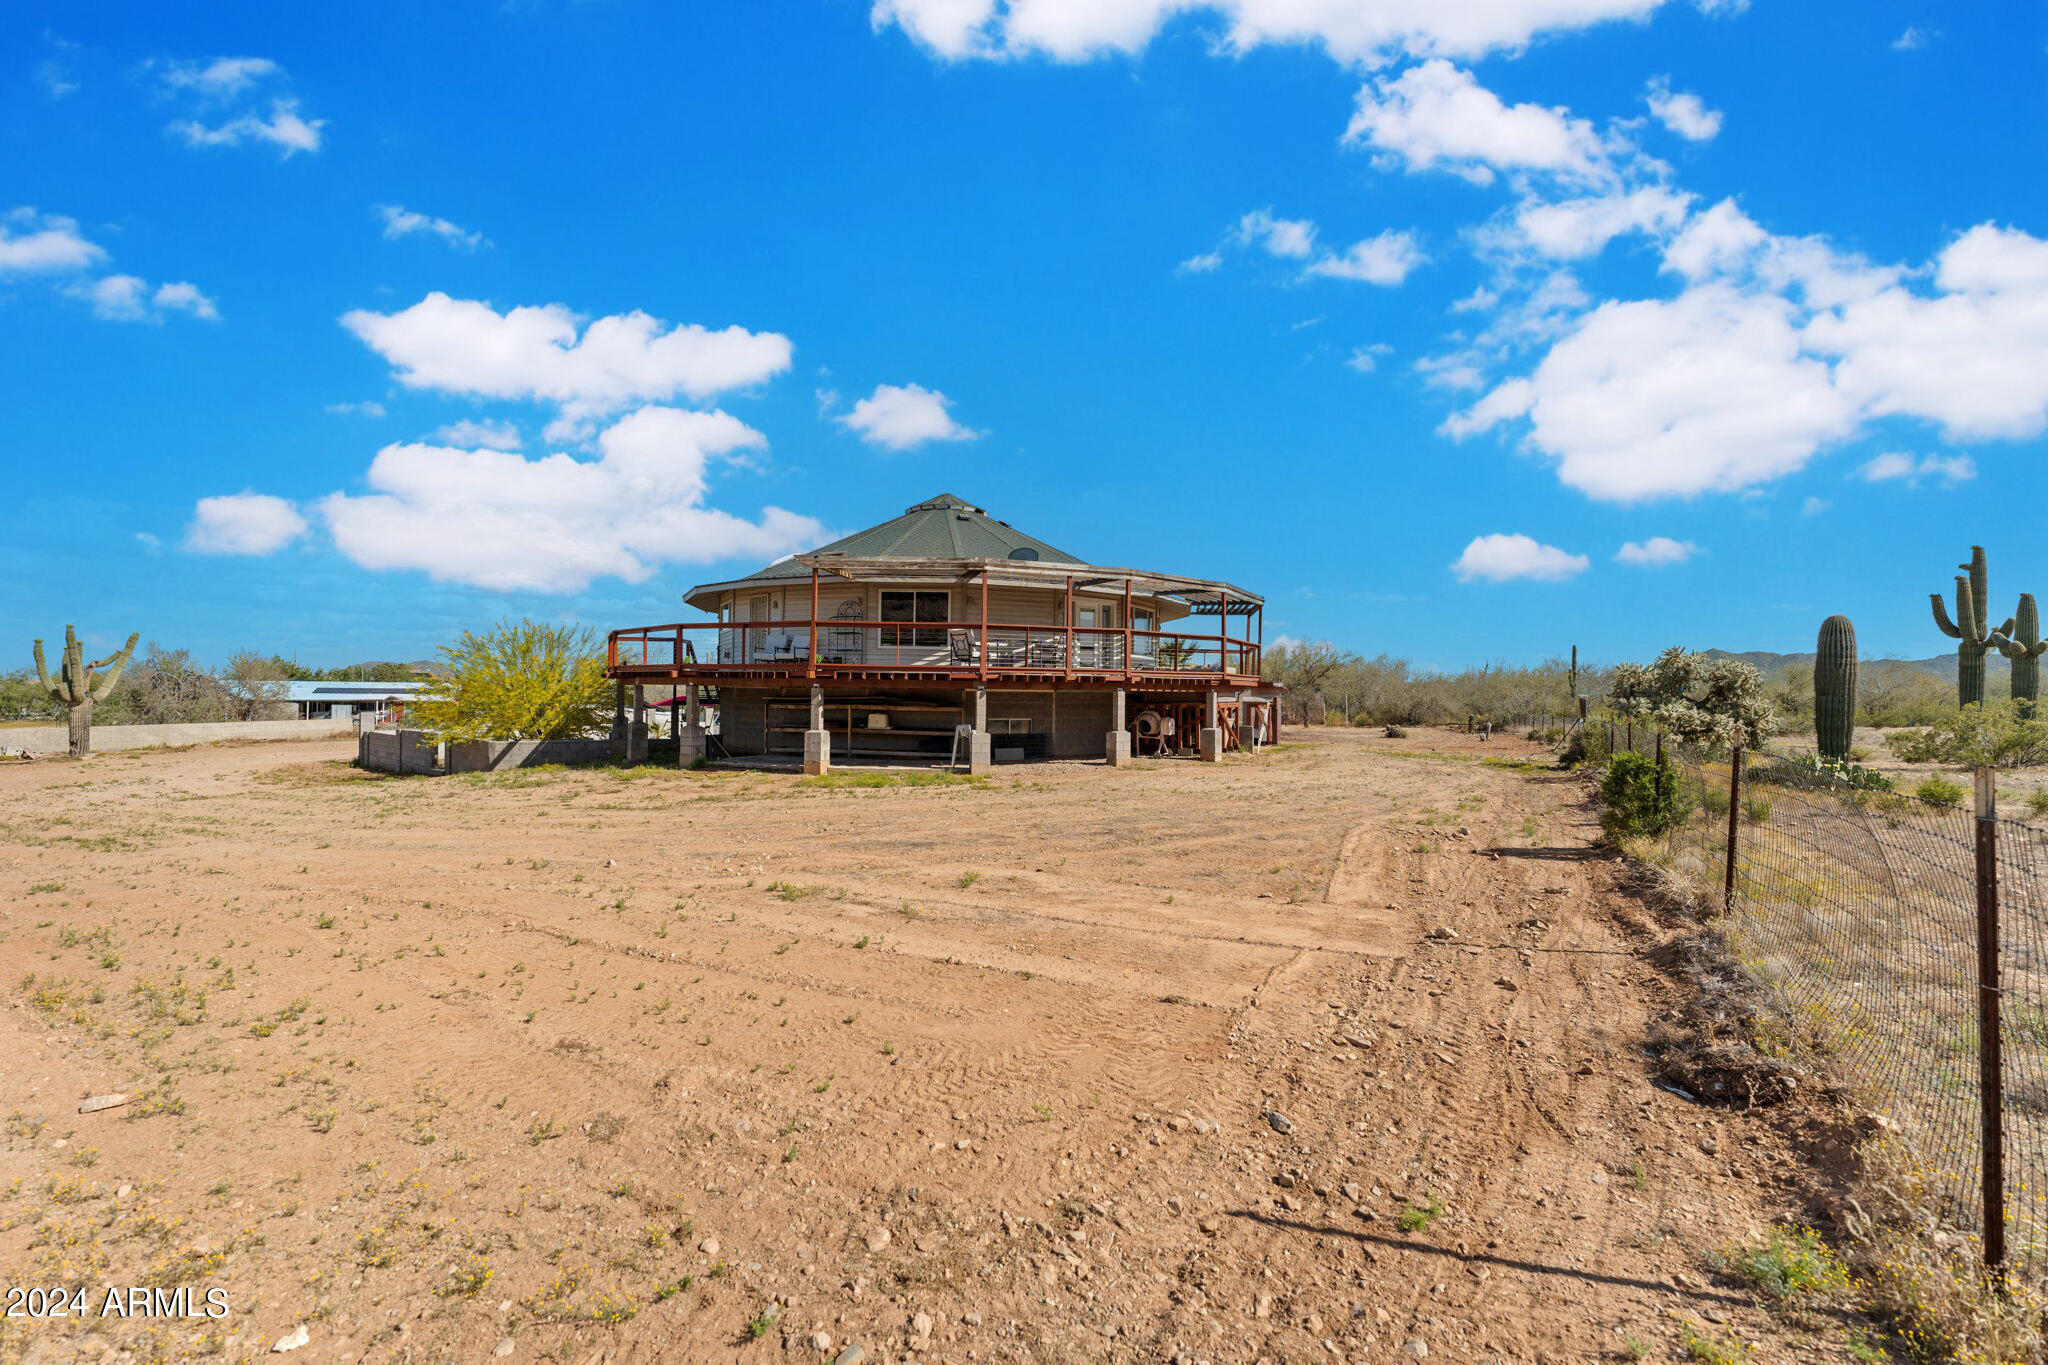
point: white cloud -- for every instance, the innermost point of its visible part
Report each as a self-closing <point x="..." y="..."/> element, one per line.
<point x="1503" y="558"/>
<point x="148" y="541"/>
<point x="1894" y="465"/>
<point x="1366" y="359"/>
<point x="1813" y="507"/>
<point x="1685" y="115"/>
<point x="1291" y="239"/>
<point x="1914" y="38"/>
<point x="1717" y="241"/>
<point x="284" y="128"/>
<point x="243" y="523"/>
<point x="1709" y="391"/>
<point x="1436" y="115"/>
<point x="1779" y="347"/>
<point x="1655" y="553"/>
<point x="483" y="434"/>
<point x="128" y="298"/>
<point x="903" y="416"/>
<point x="400" y="221"/>
<point x="55" y="78"/>
<point x="218" y="86"/>
<point x="32" y="242"/>
<point x="1973" y="358"/>
<point x="182" y="296"/>
<point x="506" y="523"/>
<point x="1361" y="31"/>
<point x="368" y="408"/>
<point x="1385" y="259"/>
<point x="220" y="79"/>
<point x="1577" y="228"/>
<point x="547" y="354"/>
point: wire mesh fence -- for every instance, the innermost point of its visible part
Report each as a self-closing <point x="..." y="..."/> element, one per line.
<point x="1858" y="908"/>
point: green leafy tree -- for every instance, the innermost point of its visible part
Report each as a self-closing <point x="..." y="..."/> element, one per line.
<point x="1694" y="698"/>
<point x="520" y="680"/>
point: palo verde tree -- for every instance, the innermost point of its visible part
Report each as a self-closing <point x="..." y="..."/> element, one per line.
<point x="79" y="684"/>
<point x="1694" y="698"/>
<point x="1970" y="629"/>
<point x="519" y="680"/>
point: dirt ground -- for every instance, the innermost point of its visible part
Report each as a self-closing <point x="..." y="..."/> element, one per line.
<point x="1074" y="1064"/>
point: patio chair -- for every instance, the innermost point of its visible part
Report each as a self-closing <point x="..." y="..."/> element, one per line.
<point x="965" y="648"/>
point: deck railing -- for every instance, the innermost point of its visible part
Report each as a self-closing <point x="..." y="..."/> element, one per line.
<point x="830" y="648"/>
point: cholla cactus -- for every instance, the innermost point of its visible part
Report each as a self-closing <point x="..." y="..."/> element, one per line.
<point x="1834" y="687"/>
<point x="1694" y="698"/>
<point x="2021" y="642"/>
<point x="1973" y="596"/>
<point x="79" y="684"/>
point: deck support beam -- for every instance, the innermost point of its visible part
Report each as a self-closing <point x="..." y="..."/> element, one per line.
<point x="817" y="739"/>
<point x="636" y="733"/>
<point x="1212" y="729"/>
<point x="1117" y="745"/>
<point x="690" y="739"/>
<point x="980" y="747"/>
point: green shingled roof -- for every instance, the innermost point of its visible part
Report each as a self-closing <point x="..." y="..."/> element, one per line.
<point x="944" y="527"/>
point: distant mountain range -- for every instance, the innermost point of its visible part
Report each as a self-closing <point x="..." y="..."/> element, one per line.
<point x="1941" y="665"/>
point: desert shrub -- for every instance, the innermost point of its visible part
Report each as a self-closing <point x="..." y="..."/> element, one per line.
<point x="2001" y="734"/>
<point x="1940" y="791"/>
<point x="2037" y="803"/>
<point x="1641" y="795"/>
<point x="1396" y="732"/>
<point x="1756" y="810"/>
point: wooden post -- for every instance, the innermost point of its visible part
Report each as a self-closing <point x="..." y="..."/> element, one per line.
<point x="1222" y="632"/>
<point x="1070" y="626"/>
<point x="983" y="661"/>
<point x="1127" y="633"/>
<point x="1734" y="813"/>
<point x="812" y="670"/>
<point x="1990" y="1035"/>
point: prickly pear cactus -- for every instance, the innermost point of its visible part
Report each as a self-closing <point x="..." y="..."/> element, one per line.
<point x="1834" y="687"/>
<point x="1973" y="595"/>
<point x="2021" y="642"/>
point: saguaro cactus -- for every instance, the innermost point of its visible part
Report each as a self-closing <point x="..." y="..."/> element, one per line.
<point x="2021" y="642"/>
<point x="79" y="684"/>
<point x="1834" y="687"/>
<point x="1972" y="595"/>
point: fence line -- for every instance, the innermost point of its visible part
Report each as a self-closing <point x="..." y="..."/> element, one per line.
<point x="1901" y="937"/>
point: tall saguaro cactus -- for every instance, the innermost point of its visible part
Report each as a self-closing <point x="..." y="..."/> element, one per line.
<point x="2021" y="642"/>
<point x="1834" y="687"/>
<point x="79" y="684"/>
<point x="1972" y="598"/>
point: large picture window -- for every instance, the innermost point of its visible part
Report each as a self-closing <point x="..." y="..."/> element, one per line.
<point x="916" y="606"/>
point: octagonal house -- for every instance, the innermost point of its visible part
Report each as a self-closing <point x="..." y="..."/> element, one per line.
<point x="944" y="637"/>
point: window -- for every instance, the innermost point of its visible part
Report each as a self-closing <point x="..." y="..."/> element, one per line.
<point x="916" y="606"/>
<point x="1142" y="620"/>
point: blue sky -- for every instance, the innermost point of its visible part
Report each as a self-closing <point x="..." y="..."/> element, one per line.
<point x="337" y="330"/>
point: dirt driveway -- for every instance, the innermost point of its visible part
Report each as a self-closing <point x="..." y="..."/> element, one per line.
<point x="1074" y="1064"/>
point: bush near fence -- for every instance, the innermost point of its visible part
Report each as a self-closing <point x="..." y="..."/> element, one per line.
<point x="1856" y="907"/>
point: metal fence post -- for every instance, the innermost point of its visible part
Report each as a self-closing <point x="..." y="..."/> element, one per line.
<point x="1990" y="1040"/>
<point x="1734" y="810"/>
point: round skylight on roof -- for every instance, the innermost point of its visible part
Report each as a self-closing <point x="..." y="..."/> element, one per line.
<point x="1023" y="552"/>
